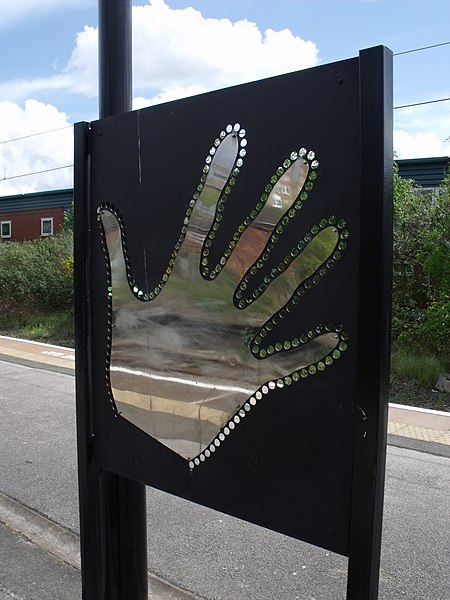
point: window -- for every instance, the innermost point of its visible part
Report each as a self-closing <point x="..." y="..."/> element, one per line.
<point x="277" y="201"/>
<point x="47" y="226"/>
<point x="5" y="229"/>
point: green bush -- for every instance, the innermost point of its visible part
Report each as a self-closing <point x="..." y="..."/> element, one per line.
<point x="421" y="273"/>
<point x="431" y="333"/>
<point x="37" y="275"/>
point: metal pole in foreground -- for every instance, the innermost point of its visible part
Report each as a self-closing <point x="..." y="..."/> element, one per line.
<point x="124" y="518"/>
<point x="114" y="57"/>
<point x="112" y="508"/>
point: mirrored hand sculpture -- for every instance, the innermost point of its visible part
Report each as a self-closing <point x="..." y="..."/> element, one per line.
<point x="191" y="357"/>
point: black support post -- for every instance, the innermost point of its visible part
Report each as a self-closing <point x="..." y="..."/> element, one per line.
<point x="371" y="411"/>
<point x="113" y="522"/>
<point x="114" y="57"/>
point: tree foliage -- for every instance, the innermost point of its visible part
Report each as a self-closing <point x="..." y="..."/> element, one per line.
<point x="68" y="218"/>
<point x="421" y="275"/>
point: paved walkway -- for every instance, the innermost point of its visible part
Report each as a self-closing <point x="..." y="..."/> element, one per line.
<point x="39" y="556"/>
<point x="423" y="426"/>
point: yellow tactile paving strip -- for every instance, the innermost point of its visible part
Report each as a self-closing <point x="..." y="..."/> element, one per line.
<point x="419" y="433"/>
<point x="425" y="425"/>
<point x="45" y="354"/>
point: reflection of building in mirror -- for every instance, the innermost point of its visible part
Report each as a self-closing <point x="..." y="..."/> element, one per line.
<point x="187" y="363"/>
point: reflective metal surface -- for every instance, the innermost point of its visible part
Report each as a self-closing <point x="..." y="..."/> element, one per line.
<point x="184" y="363"/>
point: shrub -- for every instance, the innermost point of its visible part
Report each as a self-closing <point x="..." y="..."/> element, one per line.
<point x="37" y="274"/>
<point x="421" y="270"/>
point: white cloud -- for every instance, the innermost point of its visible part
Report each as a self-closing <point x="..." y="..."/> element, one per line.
<point x="82" y="68"/>
<point x="422" y="131"/>
<point x="23" y="152"/>
<point x="18" y="10"/>
<point x="19" y="89"/>
<point x="177" y="53"/>
<point x="171" y="93"/>
<point x="174" y="48"/>
<point x="79" y="75"/>
<point x="177" y="49"/>
<point x="419" y="145"/>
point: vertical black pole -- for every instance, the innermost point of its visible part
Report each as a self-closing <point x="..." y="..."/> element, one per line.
<point x="114" y="57"/>
<point x="112" y="508"/>
<point x="123" y="504"/>
<point x="374" y="322"/>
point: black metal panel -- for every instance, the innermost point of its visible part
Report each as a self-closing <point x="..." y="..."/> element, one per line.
<point x="288" y="466"/>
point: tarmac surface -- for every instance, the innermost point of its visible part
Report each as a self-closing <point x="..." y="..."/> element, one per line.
<point x="39" y="556"/>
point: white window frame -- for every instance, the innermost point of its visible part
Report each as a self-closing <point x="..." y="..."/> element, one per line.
<point x="6" y="237"/>
<point x="43" y="220"/>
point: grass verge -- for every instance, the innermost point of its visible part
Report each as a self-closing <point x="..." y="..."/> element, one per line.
<point x="413" y="378"/>
<point x="424" y="369"/>
<point x="51" y="328"/>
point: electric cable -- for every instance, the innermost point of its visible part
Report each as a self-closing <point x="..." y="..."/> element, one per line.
<point x="420" y="49"/>
<point x="36" y="172"/>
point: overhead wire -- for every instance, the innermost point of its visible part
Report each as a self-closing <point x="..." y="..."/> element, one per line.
<point x="422" y="103"/>
<point x="35" y="173"/>
<point x="420" y="49"/>
<point x="30" y="135"/>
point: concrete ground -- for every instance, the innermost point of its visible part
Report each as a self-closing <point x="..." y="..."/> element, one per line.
<point x="195" y="552"/>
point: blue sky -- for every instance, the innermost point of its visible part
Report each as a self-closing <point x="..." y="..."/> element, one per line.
<point x="182" y="47"/>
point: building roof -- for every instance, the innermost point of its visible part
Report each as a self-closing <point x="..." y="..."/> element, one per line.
<point x="49" y="199"/>
<point x="427" y="172"/>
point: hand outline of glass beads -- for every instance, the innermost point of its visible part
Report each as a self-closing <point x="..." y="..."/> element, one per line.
<point x="190" y="358"/>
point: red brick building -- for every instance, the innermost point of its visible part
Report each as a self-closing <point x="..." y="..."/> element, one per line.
<point x="33" y="216"/>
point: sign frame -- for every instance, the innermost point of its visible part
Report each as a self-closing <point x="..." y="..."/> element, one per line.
<point x="370" y="418"/>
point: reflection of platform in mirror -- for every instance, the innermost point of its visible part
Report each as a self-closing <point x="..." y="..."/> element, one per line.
<point x="190" y="358"/>
<point x="207" y="389"/>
